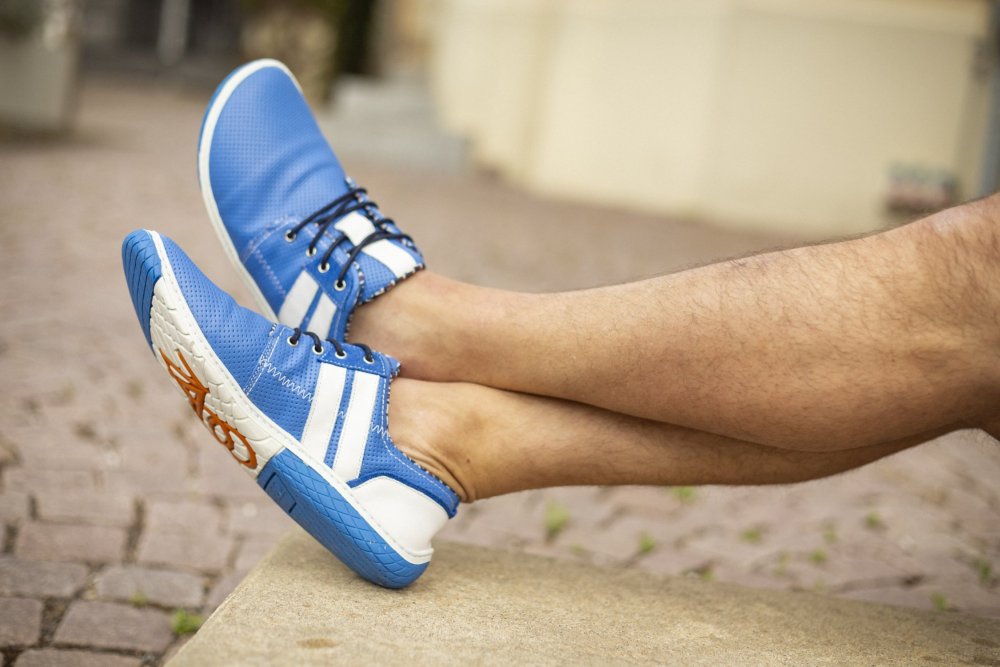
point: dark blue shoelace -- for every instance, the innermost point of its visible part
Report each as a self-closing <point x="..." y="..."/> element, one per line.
<point x="355" y="199"/>
<point x="298" y="333"/>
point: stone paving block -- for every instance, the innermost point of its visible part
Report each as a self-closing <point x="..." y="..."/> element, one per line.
<point x="250" y="553"/>
<point x="155" y="447"/>
<point x="116" y="626"/>
<point x="87" y="544"/>
<point x="36" y="578"/>
<point x="13" y="505"/>
<point x="652" y="501"/>
<point x="183" y="516"/>
<point x="512" y="519"/>
<point x="627" y="537"/>
<point x="745" y="547"/>
<point x="220" y="476"/>
<point x="58" y="448"/>
<point x="674" y="561"/>
<point x="483" y="538"/>
<point x="163" y="587"/>
<point x="174" y="483"/>
<point x="257" y="519"/>
<point x="204" y="553"/>
<point x="959" y="596"/>
<point x="587" y="505"/>
<point x="20" y="621"/>
<point x="30" y="480"/>
<point x="49" y="657"/>
<point x="102" y="508"/>
<point x="837" y="571"/>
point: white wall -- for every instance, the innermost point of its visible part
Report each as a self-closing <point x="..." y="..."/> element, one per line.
<point x="770" y="114"/>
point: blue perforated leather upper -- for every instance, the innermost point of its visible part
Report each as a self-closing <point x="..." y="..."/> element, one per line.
<point x="268" y="168"/>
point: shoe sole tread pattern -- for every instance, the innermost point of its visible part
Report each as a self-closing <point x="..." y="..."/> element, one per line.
<point x="142" y="270"/>
<point x="302" y="492"/>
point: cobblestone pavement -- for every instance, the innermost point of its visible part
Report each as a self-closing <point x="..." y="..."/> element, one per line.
<point x="119" y="510"/>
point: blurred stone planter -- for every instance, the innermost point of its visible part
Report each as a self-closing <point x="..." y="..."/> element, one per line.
<point x="303" y="36"/>
<point x="38" y="68"/>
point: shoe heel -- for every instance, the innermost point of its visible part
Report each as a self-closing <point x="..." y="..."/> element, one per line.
<point x="142" y="270"/>
<point x="326" y="515"/>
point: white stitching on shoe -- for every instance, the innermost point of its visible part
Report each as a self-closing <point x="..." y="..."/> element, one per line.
<point x="265" y="356"/>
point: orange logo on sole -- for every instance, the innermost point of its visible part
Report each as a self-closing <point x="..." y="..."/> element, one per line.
<point x="196" y="392"/>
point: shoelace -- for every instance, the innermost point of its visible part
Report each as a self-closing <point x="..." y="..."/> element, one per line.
<point x="354" y="199"/>
<point x="339" y="351"/>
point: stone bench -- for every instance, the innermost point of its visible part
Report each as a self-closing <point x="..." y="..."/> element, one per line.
<point x="476" y="605"/>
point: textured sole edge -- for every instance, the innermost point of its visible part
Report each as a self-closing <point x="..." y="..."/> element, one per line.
<point x="282" y="469"/>
<point x="141" y="275"/>
<point x="294" y="486"/>
<point x="215" y="107"/>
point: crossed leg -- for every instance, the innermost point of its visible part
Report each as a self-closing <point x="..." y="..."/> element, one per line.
<point x="778" y="367"/>
<point x="485" y="442"/>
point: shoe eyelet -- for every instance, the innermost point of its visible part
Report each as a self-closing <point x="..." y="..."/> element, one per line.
<point x="318" y="350"/>
<point x="340" y="285"/>
<point x="310" y="251"/>
<point x="369" y="360"/>
<point x="323" y="268"/>
<point x="290" y="236"/>
<point x="340" y="355"/>
<point x="293" y="344"/>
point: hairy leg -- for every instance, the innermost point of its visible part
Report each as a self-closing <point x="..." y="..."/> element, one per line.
<point x="485" y="442"/>
<point x="825" y="347"/>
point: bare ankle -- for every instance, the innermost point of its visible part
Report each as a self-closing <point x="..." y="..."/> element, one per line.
<point x="429" y="422"/>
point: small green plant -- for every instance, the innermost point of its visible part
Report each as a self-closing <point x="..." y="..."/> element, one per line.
<point x="818" y="556"/>
<point x="556" y="518"/>
<point x="939" y="602"/>
<point x="685" y="494"/>
<point x="984" y="569"/>
<point x="138" y="599"/>
<point x="752" y="535"/>
<point x="184" y="622"/>
<point x="873" y="521"/>
<point x="830" y="535"/>
<point x="646" y="543"/>
<point x="577" y="549"/>
<point x="707" y="573"/>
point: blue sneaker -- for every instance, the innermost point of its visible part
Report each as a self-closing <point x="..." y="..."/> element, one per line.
<point x="310" y="244"/>
<point x="306" y="418"/>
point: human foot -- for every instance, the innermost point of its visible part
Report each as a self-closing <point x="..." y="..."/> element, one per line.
<point x="307" y="419"/>
<point x="310" y="244"/>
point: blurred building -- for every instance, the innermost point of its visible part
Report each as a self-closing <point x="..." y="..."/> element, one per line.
<point x="809" y="116"/>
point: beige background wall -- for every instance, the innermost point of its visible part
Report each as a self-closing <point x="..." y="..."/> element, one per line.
<point x="772" y="114"/>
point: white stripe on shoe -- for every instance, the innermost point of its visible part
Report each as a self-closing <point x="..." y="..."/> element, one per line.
<point x="324" y="410"/>
<point x="356" y="227"/>
<point x="322" y="317"/>
<point x="357" y="424"/>
<point x="299" y="298"/>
